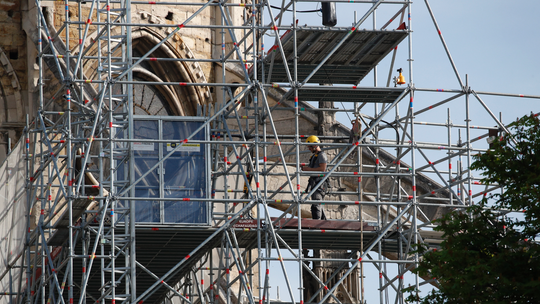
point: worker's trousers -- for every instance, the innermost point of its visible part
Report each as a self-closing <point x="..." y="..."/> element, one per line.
<point x="317" y="210"/>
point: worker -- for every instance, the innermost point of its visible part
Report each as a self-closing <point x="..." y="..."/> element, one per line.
<point x="317" y="162"/>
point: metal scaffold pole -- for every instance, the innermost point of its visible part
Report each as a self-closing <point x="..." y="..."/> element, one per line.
<point x="164" y="163"/>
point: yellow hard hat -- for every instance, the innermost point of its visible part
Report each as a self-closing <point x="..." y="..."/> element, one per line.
<point x="313" y="139"/>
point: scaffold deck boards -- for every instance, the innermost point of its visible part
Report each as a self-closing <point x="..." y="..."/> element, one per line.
<point x="349" y="94"/>
<point x="349" y="64"/>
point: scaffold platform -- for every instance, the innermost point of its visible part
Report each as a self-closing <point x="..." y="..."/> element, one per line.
<point x="159" y="249"/>
<point x="350" y="94"/>
<point x="361" y="51"/>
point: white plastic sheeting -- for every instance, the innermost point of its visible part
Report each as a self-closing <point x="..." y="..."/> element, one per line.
<point x="13" y="222"/>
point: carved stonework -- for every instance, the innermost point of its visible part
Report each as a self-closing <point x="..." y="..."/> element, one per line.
<point x="347" y="292"/>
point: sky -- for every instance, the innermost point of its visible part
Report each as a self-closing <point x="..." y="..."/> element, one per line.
<point x="496" y="43"/>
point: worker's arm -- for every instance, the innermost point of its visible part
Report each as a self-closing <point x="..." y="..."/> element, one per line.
<point x="321" y="167"/>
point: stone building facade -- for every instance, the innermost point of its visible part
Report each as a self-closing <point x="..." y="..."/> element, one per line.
<point x="19" y="69"/>
<point x="19" y="95"/>
<point x="16" y="73"/>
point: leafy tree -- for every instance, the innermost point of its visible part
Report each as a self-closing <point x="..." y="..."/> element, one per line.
<point x="514" y="163"/>
<point x="487" y="257"/>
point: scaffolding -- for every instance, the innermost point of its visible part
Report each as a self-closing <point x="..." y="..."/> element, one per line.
<point x="210" y="206"/>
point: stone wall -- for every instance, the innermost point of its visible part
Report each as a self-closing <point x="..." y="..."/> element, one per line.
<point x="19" y="37"/>
<point x="13" y="74"/>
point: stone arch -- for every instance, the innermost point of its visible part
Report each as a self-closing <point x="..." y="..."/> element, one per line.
<point x="12" y="96"/>
<point x="188" y="97"/>
<point x="11" y="105"/>
<point x="183" y="100"/>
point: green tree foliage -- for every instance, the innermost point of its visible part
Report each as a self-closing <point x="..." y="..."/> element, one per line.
<point x="514" y="163"/>
<point x="487" y="256"/>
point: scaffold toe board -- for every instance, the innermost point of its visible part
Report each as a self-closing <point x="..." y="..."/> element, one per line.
<point x="349" y="63"/>
<point x="335" y="240"/>
<point x="349" y="94"/>
<point x="322" y="235"/>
